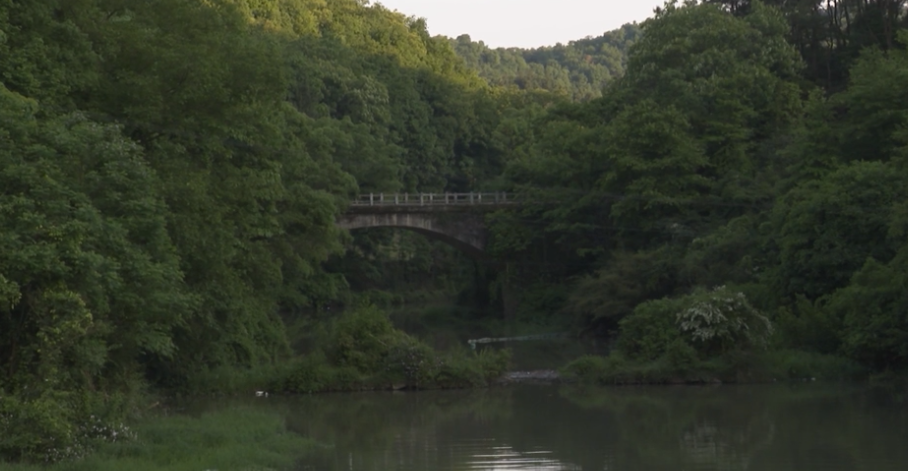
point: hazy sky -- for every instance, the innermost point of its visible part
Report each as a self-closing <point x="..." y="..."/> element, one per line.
<point x="524" y="23"/>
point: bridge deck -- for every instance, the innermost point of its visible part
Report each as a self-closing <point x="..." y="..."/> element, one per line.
<point x="423" y="201"/>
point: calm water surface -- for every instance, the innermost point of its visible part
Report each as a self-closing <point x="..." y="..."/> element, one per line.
<point x="802" y="427"/>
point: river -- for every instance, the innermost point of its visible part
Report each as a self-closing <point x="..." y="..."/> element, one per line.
<point x="797" y="427"/>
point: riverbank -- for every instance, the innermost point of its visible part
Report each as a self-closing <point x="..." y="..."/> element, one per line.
<point x="236" y="438"/>
<point x="244" y="436"/>
<point x="521" y="427"/>
<point x="359" y="351"/>
<point x="734" y="367"/>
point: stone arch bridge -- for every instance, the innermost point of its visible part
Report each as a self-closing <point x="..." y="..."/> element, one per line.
<point x="454" y="218"/>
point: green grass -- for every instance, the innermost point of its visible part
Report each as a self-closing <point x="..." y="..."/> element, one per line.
<point x="240" y="439"/>
<point x="235" y="380"/>
<point x="795" y="365"/>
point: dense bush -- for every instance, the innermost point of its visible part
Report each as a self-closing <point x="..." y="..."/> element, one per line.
<point x="712" y="322"/>
<point x="364" y="352"/>
<point x="412" y="363"/>
<point x="648" y="331"/>
<point x="874" y="307"/>
<point x="720" y="320"/>
<point x="362" y="338"/>
<point x="56" y="426"/>
<point x="809" y="325"/>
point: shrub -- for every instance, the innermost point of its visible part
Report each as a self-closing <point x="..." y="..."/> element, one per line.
<point x="412" y="362"/>
<point x="808" y="325"/>
<point x="311" y="374"/>
<point x="874" y="307"/>
<point x="800" y="365"/>
<point x="587" y="368"/>
<point x="459" y="369"/>
<point x="344" y="379"/>
<point x="362" y="339"/>
<point x="594" y="369"/>
<point x="493" y="363"/>
<point x="466" y="368"/>
<point x="59" y="425"/>
<point x="680" y="357"/>
<point x="720" y="320"/>
<point x="646" y="334"/>
<point x="38" y="429"/>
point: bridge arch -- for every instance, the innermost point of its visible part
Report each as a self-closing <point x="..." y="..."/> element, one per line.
<point x="454" y="218"/>
<point x="466" y="234"/>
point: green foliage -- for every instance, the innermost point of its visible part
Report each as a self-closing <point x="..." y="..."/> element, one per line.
<point x="809" y="325"/>
<point x="592" y="368"/>
<point x="729" y="254"/>
<point x="674" y="333"/>
<point x="361" y="350"/>
<point x="714" y="161"/>
<point x="171" y="172"/>
<point x="41" y="429"/>
<point x="492" y="364"/>
<point x="679" y="364"/>
<point x="873" y="307"/>
<point x="825" y="229"/>
<point x="57" y="426"/>
<point x="721" y="320"/>
<point x="625" y="281"/>
<point x="412" y="362"/>
<point x="802" y="365"/>
<point x="236" y="438"/>
<point x="874" y="108"/>
<point x="647" y="333"/>
<point x="680" y="356"/>
<point x="578" y="70"/>
<point x="309" y="375"/>
<point x="90" y="278"/>
<point x="470" y="369"/>
<point x="361" y="339"/>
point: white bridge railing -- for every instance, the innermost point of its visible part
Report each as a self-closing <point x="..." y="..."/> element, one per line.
<point x="429" y="199"/>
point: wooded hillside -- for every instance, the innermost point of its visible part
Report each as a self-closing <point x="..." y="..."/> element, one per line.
<point x="725" y="180"/>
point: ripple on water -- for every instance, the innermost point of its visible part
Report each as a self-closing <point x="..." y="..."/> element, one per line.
<point x="489" y="455"/>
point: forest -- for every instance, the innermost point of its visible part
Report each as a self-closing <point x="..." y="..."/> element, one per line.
<point x="719" y="191"/>
<point x="577" y="71"/>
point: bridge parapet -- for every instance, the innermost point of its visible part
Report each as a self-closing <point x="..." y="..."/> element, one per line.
<point x="431" y="199"/>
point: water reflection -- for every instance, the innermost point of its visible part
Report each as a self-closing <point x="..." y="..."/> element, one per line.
<point x="486" y="455"/>
<point x="754" y="428"/>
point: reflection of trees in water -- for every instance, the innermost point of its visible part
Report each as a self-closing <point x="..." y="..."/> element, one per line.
<point x="771" y="428"/>
<point x="378" y="417"/>
<point x="750" y="428"/>
<point x="709" y="446"/>
<point x="380" y="431"/>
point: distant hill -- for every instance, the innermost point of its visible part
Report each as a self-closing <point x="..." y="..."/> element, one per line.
<point x="577" y="70"/>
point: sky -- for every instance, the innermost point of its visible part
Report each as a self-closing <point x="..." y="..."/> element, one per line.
<point x="524" y="23"/>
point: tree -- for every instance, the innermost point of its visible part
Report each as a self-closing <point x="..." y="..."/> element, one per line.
<point x="826" y="229"/>
<point x="874" y="307"/>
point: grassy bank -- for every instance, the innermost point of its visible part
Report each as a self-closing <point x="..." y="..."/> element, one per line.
<point x="357" y="351"/>
<point x="230" y="439"/>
